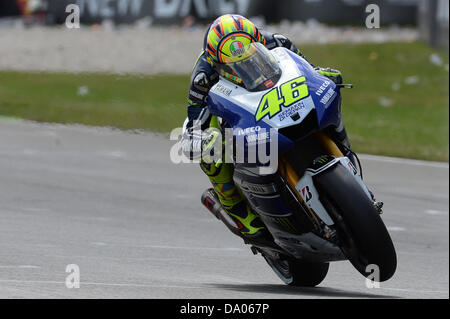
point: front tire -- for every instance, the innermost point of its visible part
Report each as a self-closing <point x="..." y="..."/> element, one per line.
<point x="365" y="238"/>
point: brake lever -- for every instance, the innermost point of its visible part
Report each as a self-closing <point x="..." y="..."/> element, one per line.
<point x="345" y="86"/>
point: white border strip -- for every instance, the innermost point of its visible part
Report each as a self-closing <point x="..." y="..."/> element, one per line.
<point x="404" y="161"/>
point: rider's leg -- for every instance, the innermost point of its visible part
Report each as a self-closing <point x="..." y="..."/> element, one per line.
<point x="230" y="196"/>
<point x="339" y="135"/>
<point x="232" y="199"/>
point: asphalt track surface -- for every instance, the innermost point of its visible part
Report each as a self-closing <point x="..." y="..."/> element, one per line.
<point x="115" y="205"/>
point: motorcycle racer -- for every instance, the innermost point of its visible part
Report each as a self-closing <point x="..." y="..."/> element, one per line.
<point x="226" y="36"/>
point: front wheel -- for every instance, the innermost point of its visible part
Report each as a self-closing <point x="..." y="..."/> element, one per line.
<point x="298" y="273"/>
<point x="365" y="239"/>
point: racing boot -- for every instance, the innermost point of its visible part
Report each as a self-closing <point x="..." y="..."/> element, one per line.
<point x="233" y="202"/>
<point x="261" y="238"/>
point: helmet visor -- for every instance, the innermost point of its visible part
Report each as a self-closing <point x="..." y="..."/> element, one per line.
<point x="255" y="66"/>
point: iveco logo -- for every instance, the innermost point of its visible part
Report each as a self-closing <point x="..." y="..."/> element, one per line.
<point x="322" y="88"/>
<point x="248" y="130"/>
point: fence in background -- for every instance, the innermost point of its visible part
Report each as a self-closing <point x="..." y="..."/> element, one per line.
<point x="433" y="22"/>
<point x="402" y="12"/>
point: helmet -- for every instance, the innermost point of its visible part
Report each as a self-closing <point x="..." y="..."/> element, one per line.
<point x="228" y="35"/>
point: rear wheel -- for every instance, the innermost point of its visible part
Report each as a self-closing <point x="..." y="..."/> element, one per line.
<point x="298" y="273"/>
<point x="365" y="239"/>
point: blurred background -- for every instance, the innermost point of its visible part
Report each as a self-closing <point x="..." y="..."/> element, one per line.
<point x="128" y="65"/>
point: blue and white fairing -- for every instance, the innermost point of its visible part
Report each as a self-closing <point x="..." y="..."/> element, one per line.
<point x="238" y="106"/>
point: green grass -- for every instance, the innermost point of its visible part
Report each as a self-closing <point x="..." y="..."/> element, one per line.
<point x="127" y="102"/>
<point x="413" y="124"/>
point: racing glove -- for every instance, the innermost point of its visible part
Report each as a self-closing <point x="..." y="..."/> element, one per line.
<point x="213" y="147"/>
<point x="332" y="74"/>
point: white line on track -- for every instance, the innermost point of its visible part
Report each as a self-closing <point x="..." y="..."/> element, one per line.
<point x="395" y="228"/>
<point x="433" y="212"/>
<point x="403" y="161"/>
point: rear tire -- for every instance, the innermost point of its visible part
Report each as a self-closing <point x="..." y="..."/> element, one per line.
<point x="308" y="274"/>
<point x="366" y="240"/>
<point x="298" y="273"/>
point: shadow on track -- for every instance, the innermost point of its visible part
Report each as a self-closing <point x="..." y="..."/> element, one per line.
<point x="288" y="290"/>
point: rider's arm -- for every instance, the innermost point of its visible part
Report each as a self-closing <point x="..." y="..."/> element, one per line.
<point x="202" y="79"/>
<point x="274" y="40"/>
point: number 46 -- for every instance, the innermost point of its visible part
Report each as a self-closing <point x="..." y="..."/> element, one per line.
<point x="288" y="93"/>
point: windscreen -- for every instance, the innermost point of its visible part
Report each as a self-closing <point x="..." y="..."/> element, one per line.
<point x="256" y="67"/>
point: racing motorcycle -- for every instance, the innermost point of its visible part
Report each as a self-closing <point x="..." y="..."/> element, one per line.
<point x="314" y="203"/>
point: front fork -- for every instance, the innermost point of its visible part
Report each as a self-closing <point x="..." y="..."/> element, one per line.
<point x="304" y="188"/>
